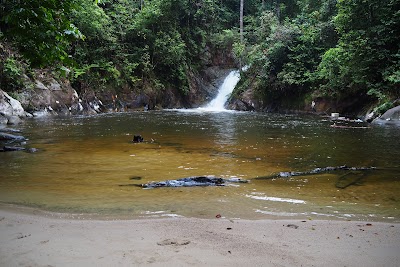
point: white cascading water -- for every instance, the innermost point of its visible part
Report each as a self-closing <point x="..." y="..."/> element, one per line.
<point x="225" y="90"/>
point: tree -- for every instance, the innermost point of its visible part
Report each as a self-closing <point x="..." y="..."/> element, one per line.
<point x="241" y="21"/>
<point x="367" y="54"/>
<point x="40" y="29"/>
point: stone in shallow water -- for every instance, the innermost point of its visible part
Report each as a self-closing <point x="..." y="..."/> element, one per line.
<point x="194" y="181"/>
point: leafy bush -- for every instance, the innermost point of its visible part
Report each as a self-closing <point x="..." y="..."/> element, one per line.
<point x="12" y="72"/>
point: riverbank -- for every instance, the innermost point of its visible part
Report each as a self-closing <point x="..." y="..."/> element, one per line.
<point x="33" y="240"/>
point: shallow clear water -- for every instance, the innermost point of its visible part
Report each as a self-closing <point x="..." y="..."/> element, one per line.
<point x="83" y="161"/>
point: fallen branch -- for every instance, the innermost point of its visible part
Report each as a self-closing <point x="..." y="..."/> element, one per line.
<point x="314" y="171"/>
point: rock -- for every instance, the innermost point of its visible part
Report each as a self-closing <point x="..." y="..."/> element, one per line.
<point x="18" y="148"/>
<point x="12" y="120"/>
<point x="10" y="109"/>
<point x="40" y="85"/>
<point x="137" y="139"/>
<point x="194" y="181"/>
<point x="246" y="102"/>
<point x="46" y="95"/>
<point x="3" y="119"/>
<point x="370" y="116"/>
<point x="12" y="148"/>
<point x="7" y="137"/>
<point x="31" y="150"/>
<point x="392" y="116"/>
<point x="9" y="130"/>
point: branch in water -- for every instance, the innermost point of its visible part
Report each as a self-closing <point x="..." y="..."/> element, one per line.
<point x="314" y="171"/>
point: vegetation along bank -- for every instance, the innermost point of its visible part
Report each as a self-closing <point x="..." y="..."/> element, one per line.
<point x="76" y="56"/>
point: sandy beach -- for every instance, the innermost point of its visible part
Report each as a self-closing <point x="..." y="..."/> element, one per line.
<point x="38" y="240"/>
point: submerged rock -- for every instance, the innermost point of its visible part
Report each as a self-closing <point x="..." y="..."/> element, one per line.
<point x="194" y="181"/>
<point x="18" y="148"/>
<point x="8" y="137"/>
<point x="12" y="148"/>
<point x="137" y="139"/>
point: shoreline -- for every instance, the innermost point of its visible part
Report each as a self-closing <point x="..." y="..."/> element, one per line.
<point x="36" y="211"/>
<point x="40" y="240"/>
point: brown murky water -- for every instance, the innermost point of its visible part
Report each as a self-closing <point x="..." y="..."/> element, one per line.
<point x="83" y="161"/>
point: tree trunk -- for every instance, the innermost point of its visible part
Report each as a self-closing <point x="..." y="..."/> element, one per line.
<point x="278" y="9"/>
<point x="241" y="21"/>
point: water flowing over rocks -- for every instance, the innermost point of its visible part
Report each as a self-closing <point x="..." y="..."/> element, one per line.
<point x="45" y="94"/>
<point x="203" y="86"/>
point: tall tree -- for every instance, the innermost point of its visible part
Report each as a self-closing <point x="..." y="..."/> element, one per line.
<point x="241" y="21"/>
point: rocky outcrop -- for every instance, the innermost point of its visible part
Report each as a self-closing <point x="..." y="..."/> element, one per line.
<point x="250" y="96"/>
<point x="204" y="85"/>
<point x="11" y="110"/>
<point x="49" y="96"/>
<point x="392" y="116"/>
<point x="45" y="95"/>
<point x="246" y="102"/>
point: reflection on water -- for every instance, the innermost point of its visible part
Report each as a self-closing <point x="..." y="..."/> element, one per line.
<point x="83" y="161"/>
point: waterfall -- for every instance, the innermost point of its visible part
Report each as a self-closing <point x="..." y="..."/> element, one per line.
<point x="225" y="90"/>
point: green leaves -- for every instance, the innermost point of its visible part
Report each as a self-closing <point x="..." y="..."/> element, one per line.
<point x="348" y="48"/>
<point x="41" y="29"/>
<point x="366" y="56"/>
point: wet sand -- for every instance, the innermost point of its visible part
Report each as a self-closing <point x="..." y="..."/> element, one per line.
<point x="37" y="240"/>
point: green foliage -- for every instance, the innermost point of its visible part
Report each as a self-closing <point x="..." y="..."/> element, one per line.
<point x="40" y="29"/>
<point x="367" y="51"/>
<point x="224" y="39"/>
<point x="342" y="47"/>
<point x="337" y="46"/>
<point x="12" y="68"/>
<point x="11" y="74"/>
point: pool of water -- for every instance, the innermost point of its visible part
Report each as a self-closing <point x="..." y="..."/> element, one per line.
<point x="85" y="165"/>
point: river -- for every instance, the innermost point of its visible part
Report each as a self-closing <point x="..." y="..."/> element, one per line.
<point x="85" y="162"/>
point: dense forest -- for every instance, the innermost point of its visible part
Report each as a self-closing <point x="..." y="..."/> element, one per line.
<point x="308" y="49"/>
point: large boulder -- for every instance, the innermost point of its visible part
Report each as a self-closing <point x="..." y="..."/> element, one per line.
<point x="11" y="109"/>
<point x="391" y="116"/>
<point x="50" y="96"/>
<point x="247" y="101"/>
